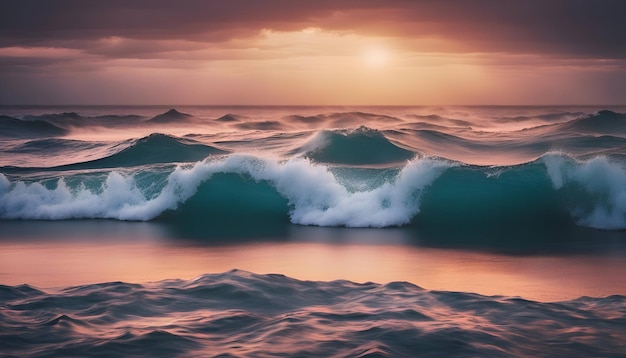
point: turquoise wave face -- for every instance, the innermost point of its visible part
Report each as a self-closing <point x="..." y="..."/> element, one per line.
<point x="355" y="147"/>
<point x="351" y="168"/>
<point x="155" y="148"/>
<point x="554" y="191"/>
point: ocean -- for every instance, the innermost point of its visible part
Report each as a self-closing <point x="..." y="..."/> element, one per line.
<point x="312" y="231"/>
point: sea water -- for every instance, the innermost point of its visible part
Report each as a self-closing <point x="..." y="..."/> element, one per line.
<point x="510" y="184"/>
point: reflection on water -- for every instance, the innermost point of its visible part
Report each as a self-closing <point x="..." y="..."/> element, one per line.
<point x="49" y="254"/>
<point x="242" y="314"/>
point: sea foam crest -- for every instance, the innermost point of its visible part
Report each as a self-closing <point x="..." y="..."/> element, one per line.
<point x="314" y="194"/>
<point x="116" y="199"/>
<point x="603" y="182"/>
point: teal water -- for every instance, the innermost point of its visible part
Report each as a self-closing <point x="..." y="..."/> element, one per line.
<point x="520" y="181"/>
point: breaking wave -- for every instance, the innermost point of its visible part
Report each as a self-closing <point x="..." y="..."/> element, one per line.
<point x="314" y="194"/>
<point x="555" y="190"/>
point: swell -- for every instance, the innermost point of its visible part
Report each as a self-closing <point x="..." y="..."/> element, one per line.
<point x="357" y="147"/>
<point x="153" y="149"/>
<point x="553" y="191"/>
<point x="603" y="122"/>
<point x="12" y="128"/>
<point x="238" y="313"/>
<point x="509" y="148"/>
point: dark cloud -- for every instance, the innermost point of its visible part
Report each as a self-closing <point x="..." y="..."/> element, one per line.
<point x="578" y="28"/>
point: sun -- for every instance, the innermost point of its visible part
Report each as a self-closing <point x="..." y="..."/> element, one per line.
<point x="376" y="56"/>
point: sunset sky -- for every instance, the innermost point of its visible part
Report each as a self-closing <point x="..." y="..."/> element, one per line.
<point x="287" y="52"/>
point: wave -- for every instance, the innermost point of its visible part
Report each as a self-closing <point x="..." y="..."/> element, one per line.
<point x="171" y="116"/>
<point x="241" y="313"/>
<point x="350" y="119"/>
<point x="356" y="146"/>
<point x="439" y="138"/>
<point x="545" y="117"/>
<point x="554" y="191"/>
<point x="13" y="128"/>
<point x="70" y="120"/>
<point x="314" y="194"/>
<point x="33" y="155"/>
<point x="595" y="189"/>
<point x="229" y="118"/>
<point x="434" y="119"/>
<point x="153" y="149"/>
<point x="65" y="118"/>
<point x="603" y="122"/>
<point x="52" y="145"/>
<point x="261" y="125"/>
<point x="308" y="120"/>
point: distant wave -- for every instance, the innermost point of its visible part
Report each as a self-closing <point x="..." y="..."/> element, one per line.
<point x="12" y="128"/>
<point x="54" y="145"/>
<point x="356" y="146"/>
<point x="155" y="148"/>
<point x="228" y="118"/>
<point x="65" y="118"/>
<point x="169" y="117"/>
<point x="260" y="125"/>
<point x="604" y="122"/>
<point x="70" y="120"/>
<point x="312" y="121"/>
<point x="555" y="190"/>
<point x="545" y="117"/>
<point x="238" y="313"/>
<point x="350" y="119"/>
<point x="441" y="121"/>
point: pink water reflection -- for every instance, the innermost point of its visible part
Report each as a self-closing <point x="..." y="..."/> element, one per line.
<point x="543" y="278"/>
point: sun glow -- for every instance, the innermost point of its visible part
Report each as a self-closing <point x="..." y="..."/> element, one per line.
<point x="376" y="57"/>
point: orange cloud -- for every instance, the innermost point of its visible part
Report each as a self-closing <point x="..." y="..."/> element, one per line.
<point x="323" y="52"/>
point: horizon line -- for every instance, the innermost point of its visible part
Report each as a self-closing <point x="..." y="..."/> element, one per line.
<point x="313" y="105"/>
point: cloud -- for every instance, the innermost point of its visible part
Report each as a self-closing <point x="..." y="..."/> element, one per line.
<point x="312" y="52"/>
<point x="579" y="28"/>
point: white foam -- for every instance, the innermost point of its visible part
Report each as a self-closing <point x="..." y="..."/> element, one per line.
<point x="35" y="201"/>
<point x="315" y="196"/>
<point x="317" y="141"/>
<point x="602" y="179"/>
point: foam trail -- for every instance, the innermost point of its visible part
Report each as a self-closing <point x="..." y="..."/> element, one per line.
<point x="603" y="183"/>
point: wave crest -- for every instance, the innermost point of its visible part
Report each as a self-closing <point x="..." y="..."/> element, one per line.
<point x="355" y="146"/>
<point x="315" y="196"/>
<point x="554" y="191"/>
<point x="596" y="188"/>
